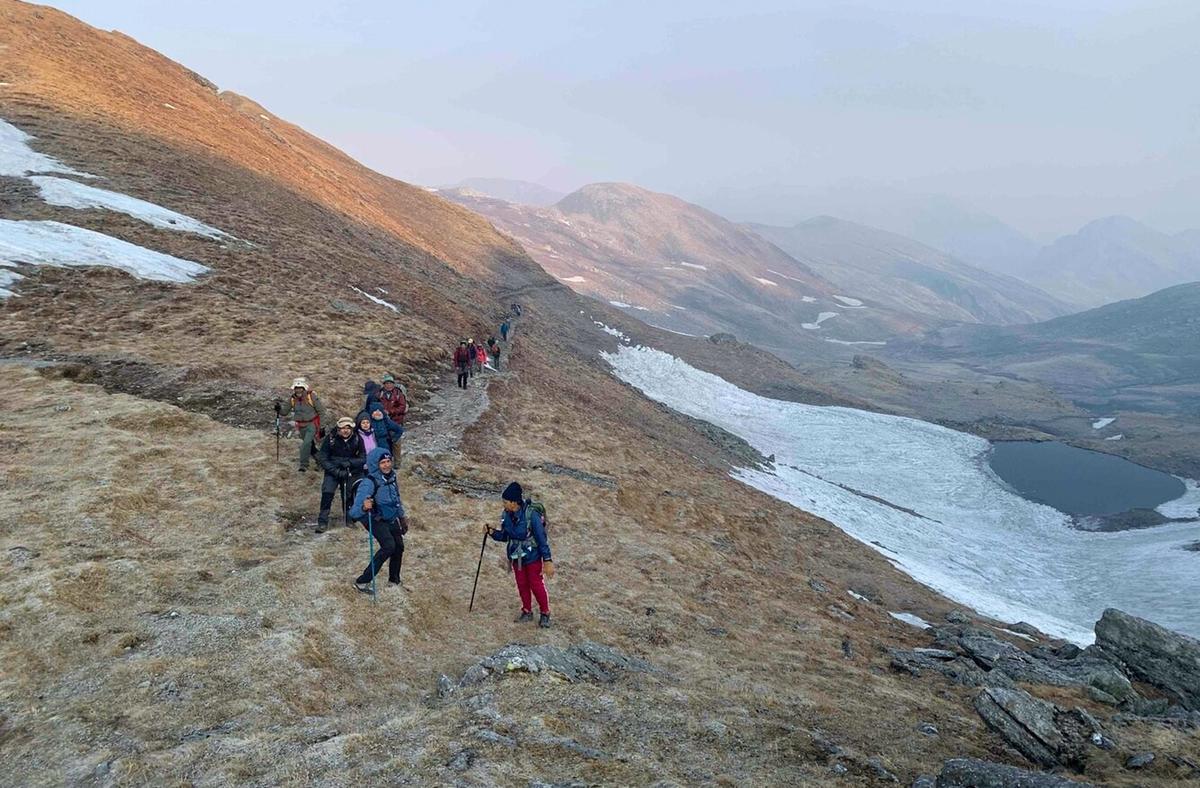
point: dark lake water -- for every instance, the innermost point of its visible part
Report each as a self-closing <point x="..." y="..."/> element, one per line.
<point x="1078" y="481"/>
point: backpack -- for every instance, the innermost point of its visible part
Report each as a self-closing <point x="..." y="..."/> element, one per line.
<point x="529" y="543"/>
<point x="352" y="492"/>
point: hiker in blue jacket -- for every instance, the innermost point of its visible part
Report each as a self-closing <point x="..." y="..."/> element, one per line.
<point x="378" y="494"/>
<point x="528" y="552"/>
<point x="387" y="432"/>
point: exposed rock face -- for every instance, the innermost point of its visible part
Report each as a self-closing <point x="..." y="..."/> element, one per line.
<point x="970" y="773"/>
<point x="585" y="661"/>
<point x="1154" y="654"/>
<point x="1042" y="732"/>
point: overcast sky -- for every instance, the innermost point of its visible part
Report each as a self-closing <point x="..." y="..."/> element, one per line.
<point x="1045" y="113"/>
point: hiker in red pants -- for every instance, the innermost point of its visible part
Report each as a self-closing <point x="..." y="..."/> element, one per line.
<point x="522" y="527"/>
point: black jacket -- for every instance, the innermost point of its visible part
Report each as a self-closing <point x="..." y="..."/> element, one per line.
<point x="338" y="453"/>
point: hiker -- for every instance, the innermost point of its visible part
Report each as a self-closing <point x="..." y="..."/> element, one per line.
<point x="394" y="399"/>
<point x="378" y="495"/>
<point x="504" y="330"/>
<point x="494" y="348"/>
<point x="472" y="357"/>
<point x="371" y="395"/>
<point x="528" y="551"/>
<point x="366" y="431"/>
<point x="462" y="363"/>
<point x="306" y="410"/>
<point x="387" y="432"/>
<point x="481" y="358"/>
<point x="342" y="456"/>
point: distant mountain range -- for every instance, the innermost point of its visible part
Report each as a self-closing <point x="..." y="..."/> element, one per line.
<point x="1143" y="353"/>
<point x="1112" y="259"/>
<point x="686" y="269"/>
<point x="509" y="190"/>
<point x="907" y="275"/>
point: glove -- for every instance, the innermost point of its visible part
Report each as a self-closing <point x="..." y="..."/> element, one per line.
<point x="343" y="474"/>
<point x="548" y="568"/>
<point x="403" y="526"/>
<point x="278" y="407"/>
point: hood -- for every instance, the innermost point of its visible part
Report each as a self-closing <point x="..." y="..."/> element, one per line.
<point x="373" y="460"/>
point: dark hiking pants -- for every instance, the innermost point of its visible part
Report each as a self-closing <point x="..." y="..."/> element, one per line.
<point x="391" y="549"/>
<point x="329" y="488"/>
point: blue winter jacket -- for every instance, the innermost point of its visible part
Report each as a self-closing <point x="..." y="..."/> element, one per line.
<point x="385" y="429"/>
<point x="523" y="545"/>
<point x="383" y="489"/>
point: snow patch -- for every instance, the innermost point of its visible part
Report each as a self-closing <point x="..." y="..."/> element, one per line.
<point x="697" y="266"/>
<point x="72" y="194"/>
<point x="17" y="159"/>
<point x="857" y="595"/>
<point x="853" y="303"/>
<point x="854" y="342"/>
<point x="575" y="279"/>
<point x="63" y="245"/>
<point x="1117" y="437"/>
<point x="1100" y="424"/>
<point x="785" y="276"/>
<point x="376" y="299"/>
<point x="169" y="105"/>
<point x="7" y="280"/>
<point x="620" y="304"/>
<point x="912" y="619"/>
<point x="760" y="280"/>
<point x="808" y="299"/>
<point x="821" y="318"/>
<point x="611" y="330"/>
<point x="927" y="492"/>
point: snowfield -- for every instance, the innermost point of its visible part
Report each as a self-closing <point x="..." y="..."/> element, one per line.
<point x="971" y="538"/>
<point x="821" y="318"/>
<point x="17" y="159"/>
<point x="72" y="194"/>
<point x="55" y="243"/>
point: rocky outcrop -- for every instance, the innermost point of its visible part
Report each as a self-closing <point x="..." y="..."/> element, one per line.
<point x="971" y="773"/>
<point x="1153" y="654"/>
<point x="584" y="661"/>
<point x="1042" y="732"/>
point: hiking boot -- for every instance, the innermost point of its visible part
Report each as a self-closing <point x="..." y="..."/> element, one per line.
<point x="322" y="528"/>
<point x="525" y="616"/>
<point x="363" y="587"/>
<point x="543" y="620"/>
<point x="395" y="582"/>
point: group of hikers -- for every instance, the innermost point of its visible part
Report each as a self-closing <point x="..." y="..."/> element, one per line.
<point x="471" y="357"/>
<point x="361" y="456"/>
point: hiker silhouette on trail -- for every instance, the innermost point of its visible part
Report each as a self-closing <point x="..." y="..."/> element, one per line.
<point x="377" y="506"/>
<point x="504" y="327"/>
<point x="523" y="530"/>
<point x="342" y="455"/>
<point x="494" y="348"/>
<point x="462" y="363"/>
<point x="306" y="410"/>
<point x="473" y="357"/>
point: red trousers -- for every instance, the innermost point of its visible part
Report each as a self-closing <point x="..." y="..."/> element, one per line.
<point x="530" y="584"/>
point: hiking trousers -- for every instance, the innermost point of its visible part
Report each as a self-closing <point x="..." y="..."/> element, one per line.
<point x="329" y="488"/>
<point x="530" y="585"/>
<point x="308" y="438"/>
<point x="391" y="549"/>
<point x="462" y="376"/>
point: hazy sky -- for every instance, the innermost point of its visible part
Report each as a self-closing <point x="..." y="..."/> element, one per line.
<point x="1046" y="113"/>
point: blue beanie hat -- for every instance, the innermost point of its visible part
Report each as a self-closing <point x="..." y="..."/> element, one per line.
<point x="513" y="492"/>
<point x="370" y="387"/>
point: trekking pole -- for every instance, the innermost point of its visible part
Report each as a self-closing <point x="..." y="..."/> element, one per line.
<point x="471" y="606"/>
<point x="277" y="434"/>
<point x="345" y="508"/>
<point x="370" y="557"/>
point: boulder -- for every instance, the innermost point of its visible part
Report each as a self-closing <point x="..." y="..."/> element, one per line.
<point x="1042" y="732"/>
<point x="1153" y="654"/>
<point x="971" y="773"/>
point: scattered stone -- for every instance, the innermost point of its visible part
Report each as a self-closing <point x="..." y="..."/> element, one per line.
<point x="606" y="482"/>
<point x="972" y="773"/>
<point x="1147" y="707"/>
<point x="462" y="760"/>
<point x="496" y="738"/>
<point x="20" y="555"/>
<point x="839" y="769"/>
<point x="928" y="728"/>
<point x="936" y="653"/>
<point x="838" y="613"/>
<point x="925" y="781"/>
<point x="1140" y="761"/>
<point x="445" y="686"/>
<point x="587" y="660"/>
<point x="1024" y="628"/>
<point x="818" y="586"/>
<point x="880" y="771"/>
<point x="1193" y="547"/>
<point x="1100" y="696"/>
<point x="987" y="651"/>
<point x="1154" y="654"/>
<point x="433" y="496"/>
<point x="957" y="617"/>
